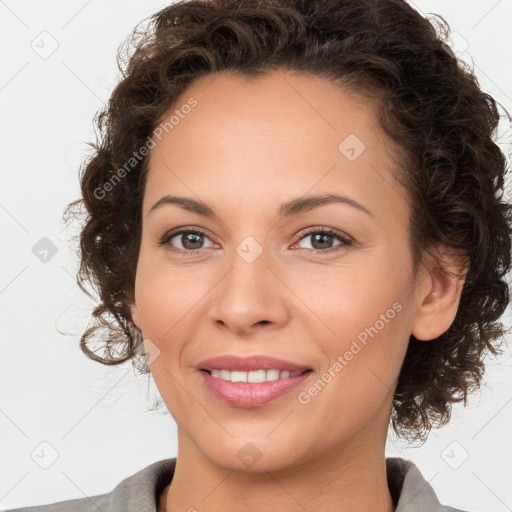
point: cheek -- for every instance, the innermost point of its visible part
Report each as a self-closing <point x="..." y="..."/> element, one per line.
<point x="360" y="315"/>
<point x="363" y="351"/>
<point x="343" y="301"/>
<point x="165" y="295"/>
<point x="156" y="304"/>
<point x="165" y="304"/>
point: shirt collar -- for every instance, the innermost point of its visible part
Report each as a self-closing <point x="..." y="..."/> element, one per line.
<point x="409" y="489"/>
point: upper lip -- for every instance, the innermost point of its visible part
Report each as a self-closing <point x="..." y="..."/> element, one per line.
<point x="247" y="364"/>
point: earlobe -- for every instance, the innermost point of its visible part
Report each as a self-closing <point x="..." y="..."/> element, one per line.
<point x="438" y="295"/>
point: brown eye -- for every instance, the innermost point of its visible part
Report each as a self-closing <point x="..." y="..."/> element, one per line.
<point x="322" y="240"/>
<point x="190" y="240"/>
<point x="185" y="241"/>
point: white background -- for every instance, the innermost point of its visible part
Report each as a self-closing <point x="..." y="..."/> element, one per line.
<point x="95" y="417"/>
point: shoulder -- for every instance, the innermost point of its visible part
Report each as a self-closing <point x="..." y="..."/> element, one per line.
<point x="410" y="490"/>
<point x="137" y="492"/>
<point x="99" y="502"/>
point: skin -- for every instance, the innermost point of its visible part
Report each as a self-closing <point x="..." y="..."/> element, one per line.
<point x="246" y="148"/>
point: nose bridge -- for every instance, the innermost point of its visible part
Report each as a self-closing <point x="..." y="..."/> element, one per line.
<point x="250" y="251"/>
<point x="249" y="292"/>
<point x="249" y="273"/>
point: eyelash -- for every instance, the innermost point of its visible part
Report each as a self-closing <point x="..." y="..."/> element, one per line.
<point x="346" y="242"/>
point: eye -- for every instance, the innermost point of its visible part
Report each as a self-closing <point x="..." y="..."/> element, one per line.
<point x="189" y="241"/>
<point x="186" y="240"/>
<point x="322" y="240"/>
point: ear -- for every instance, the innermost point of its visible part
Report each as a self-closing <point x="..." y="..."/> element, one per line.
<point x="438" y="291"/>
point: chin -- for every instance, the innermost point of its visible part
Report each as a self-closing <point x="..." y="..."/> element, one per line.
<point x="255" y="454"/>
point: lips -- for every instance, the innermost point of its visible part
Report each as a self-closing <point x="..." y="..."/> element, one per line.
<point x="246" y="394"/>
<point x="252" y="363"/>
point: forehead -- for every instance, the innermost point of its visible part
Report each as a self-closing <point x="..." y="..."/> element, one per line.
<point x="279" y="135"/>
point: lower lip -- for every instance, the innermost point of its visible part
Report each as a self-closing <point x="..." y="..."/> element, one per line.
<point x="246" y="394"/>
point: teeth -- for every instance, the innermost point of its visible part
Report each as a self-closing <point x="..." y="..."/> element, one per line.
<point x="253" y="376"/>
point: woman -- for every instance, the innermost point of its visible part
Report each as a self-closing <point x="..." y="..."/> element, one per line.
<point x="295" y="208"/>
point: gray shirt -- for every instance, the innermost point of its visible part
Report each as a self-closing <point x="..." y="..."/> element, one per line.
<point x="139" y="492"/>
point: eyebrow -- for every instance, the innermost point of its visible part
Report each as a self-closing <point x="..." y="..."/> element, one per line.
<point x="293" y="207"/>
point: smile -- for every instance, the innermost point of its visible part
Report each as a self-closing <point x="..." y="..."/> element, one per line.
<point x="255" y="376"/>
<point x="252" y="389"/>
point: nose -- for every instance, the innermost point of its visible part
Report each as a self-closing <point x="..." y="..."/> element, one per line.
<point x="251" y="296"/>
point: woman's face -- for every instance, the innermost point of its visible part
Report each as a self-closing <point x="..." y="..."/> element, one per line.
<point x="261" y="279"/>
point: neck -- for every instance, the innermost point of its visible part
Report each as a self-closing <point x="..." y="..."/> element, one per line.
<point x="348" y="479"/>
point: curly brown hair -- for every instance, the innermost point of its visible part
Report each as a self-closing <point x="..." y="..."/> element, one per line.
<point x="430" y="105"/>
